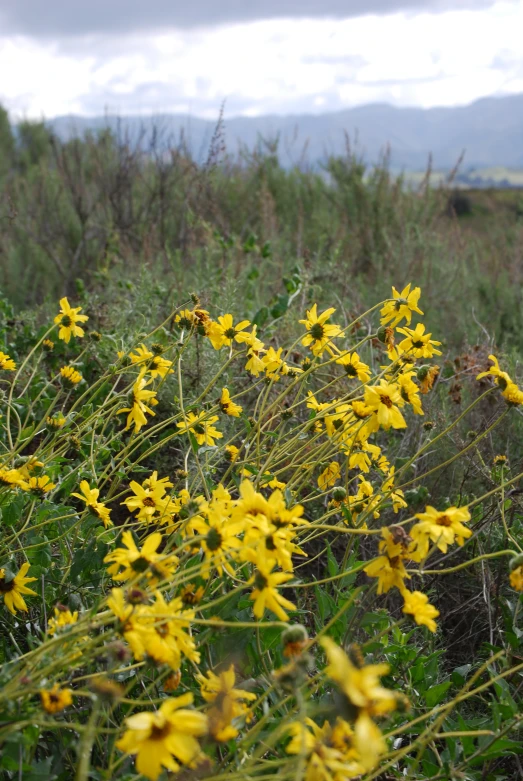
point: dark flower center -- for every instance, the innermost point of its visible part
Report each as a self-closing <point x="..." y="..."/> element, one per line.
<point x="317" y="331"/>
<point x="148" y="502"/>
<point x="260" y="581"/>
<point x="140" y="564"/>
<point x="351" y="370"/>
<point x="66" y="321"/>
<point x="230" y="333"/>
<point x="6" y="587"/>
<point x="386" y="400"/>
<point x="214" y="539"/>
<point x="444" y="520"/>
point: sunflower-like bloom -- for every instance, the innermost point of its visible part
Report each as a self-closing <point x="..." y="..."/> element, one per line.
<point x="418" y="343"/>
<point x="329" y="476"/>
<point x="354" y="367"/>
<point x="508" y="388"/>
<point x="361" y="686"/>
<point x="55" y="700"/>
<point x="140" y="400"/>
<point x="231" y="453"/>
<point x="418" y="606"/>
<point x="220" y="541"/>
<point x="40" y="485"/>
<point x="12" y="590"/>
<point x="226" y="702"/>
<point x="164" y="631"/>
<point x="227" y="406"/>
<point x="90" y="497"/>
<point x="12" y="478"/>
<point x="166" y="738"/>
<point x="62" y="619"/>
<point x="6" y="363"/>
<point x="319" y="333"/>
<point x="442" y="528"/>
<point x="130" y="561"/>
<point x="67" y="319"/>
<point x="266" y="594"/>
<point x="389" y="567"/>
<point x="401" y="306"/>
<point x="329" y="750"/>
<point x="224" y="332"/>
<point x="384" y="400"/>
<point x="410" y="391"/>
<point x="56" y="421"/>
<point x="154" y="364"/>
<point x="70" y="376"/>
<point x="202" y="428"/>
<point x="151" y="501"/>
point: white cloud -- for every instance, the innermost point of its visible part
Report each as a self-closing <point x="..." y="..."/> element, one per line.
<point x="281" y="66"/>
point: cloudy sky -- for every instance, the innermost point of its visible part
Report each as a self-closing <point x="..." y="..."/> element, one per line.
<point x="261" y="56"/>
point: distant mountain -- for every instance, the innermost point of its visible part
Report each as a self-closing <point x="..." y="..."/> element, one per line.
<point x="489" y="130"/>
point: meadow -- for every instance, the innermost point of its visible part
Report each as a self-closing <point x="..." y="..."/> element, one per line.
<point x="261" y="461"/>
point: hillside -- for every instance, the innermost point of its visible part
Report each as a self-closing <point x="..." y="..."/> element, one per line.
<point x="489" y="130"/>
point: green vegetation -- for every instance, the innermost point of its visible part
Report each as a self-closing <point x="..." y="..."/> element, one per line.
<point x="241" y="536"/>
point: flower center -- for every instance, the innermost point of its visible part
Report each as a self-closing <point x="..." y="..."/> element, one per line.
<point x="260" y="581"/>
<point x="351" y="370"/>
<point x="5" y="588"/>
<point x="386" y="400"/>
<point x="66" y="321"/>
<point x="159" y="733"/>
<point x="140" y="564"/>
<point x="444" y="520"/>
<point x="199" y="428"/>
<point x="317" y="331"/>
<point x="214" y="539"/>
<point x="230" y="333"/>
<point x="418" y="344"/>
<point x="148" y="502"/>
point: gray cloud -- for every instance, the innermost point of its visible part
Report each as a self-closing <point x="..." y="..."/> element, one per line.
<point x="57" y="18"/>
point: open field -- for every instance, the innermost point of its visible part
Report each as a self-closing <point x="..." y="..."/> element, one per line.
<point x="260" y="516"/>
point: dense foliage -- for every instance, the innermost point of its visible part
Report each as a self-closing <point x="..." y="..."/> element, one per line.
<point x="220" y="556"/>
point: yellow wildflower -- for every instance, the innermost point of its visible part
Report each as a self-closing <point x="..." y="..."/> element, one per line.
<point x="130" y="561"/>
<point x="401" y="306"/>
<point x="202" y="428"/>
<point x="154" y="364"/>
<point x="55" y="700"/>
<point x="70" y="377"/>
<point x="442" y="528"/>
<point x="224" y="332"/>
<point x="319" y="333"/>
<point x="139" y="409"/>
<point x="90" y="497"/>
<point x="354" y="367"/>
<point x="6" y="363"/>
<point x="384" y="401"/>
<point x="418" y="606"/>
<point x="329" y="476"/>
<point x="227" y="705"/>
<point x="166" y="738"/>
<point x="418" y="343"/>
<point x="40" y="485"/>
<point x="12" y="590"/>
<point x="67" y="319"/>
<point x="62" y="618"/>
<point x="229" y="407"/>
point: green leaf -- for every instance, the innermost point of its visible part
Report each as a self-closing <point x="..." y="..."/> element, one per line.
<point x="436" y="694"/>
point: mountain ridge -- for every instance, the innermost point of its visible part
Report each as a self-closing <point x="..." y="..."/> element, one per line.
<point x="489" y="130"/>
